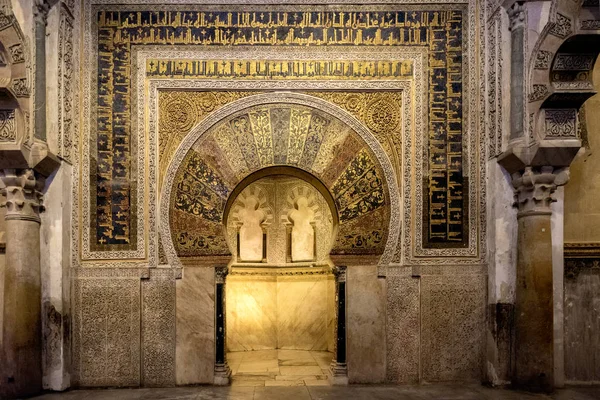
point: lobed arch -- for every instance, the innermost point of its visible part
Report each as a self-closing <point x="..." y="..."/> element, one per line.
<point x="241" y="142"/>
<point x="560" y="70"/>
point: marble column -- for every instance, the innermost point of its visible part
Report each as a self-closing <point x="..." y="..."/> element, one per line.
<point x="516" y="15"/>
<point x="534" y="308"/>
<point x="339" y="365"/>
<point x="21" y="373"/>
<point x="222" y="371"/>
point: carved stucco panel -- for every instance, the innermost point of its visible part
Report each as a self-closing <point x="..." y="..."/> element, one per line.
<point x="453" y="326"/>
<point x="106" y="331"/>
<point x="403" y="329"/>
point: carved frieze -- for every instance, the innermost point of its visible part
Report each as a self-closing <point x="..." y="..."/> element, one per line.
<point x="590" y="24"/>
<point x="538" y="92"/>
<point x="542" y="59"/>
<point x="568" y="62"/>
<point x="20" y="87"/>
<point x="560" y="123"/>
<point x="17" y="53"/>
<point x="66" y="114"/>
<point x="563" y="26"/>
<point x="8" y="126"/>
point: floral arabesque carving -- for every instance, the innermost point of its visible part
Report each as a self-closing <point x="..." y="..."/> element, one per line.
<point x="23" y="194"/>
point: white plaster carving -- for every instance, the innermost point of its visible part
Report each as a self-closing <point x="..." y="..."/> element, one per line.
<point x="251" y="232"/>
<point x="303" y="233"/>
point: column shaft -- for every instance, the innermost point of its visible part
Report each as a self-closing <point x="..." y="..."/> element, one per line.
<point x="21" y="365"/>
<point x="534" y="311"/>
<point x="339" y="367"/>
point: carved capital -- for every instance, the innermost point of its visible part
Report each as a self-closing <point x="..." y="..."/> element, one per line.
<point x="220" y="274"/>
<point x="516" y="15"/>
<point x="340" y="273"/>
<point x="534" y="189"/>
<point x="41" y="8"/>
<point x="22" y="194"/>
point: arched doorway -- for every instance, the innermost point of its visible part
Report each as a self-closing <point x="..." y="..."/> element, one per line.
<point x="280" y="292"/>
<point x="241" y="141"/>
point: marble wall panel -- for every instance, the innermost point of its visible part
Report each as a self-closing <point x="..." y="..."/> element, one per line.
<point x="582" y="320"/>
<point x="452" y="330"/>
<point x="279" y="311"/>
<point x="302" y="316"/>
<point x="195" y="339"/>
<point x="106" y="331"/>
<point x="158" y="328"/>
<point x="365" y="325"/>
<point x="403" y="329"/>
<point x="251" y="304"/>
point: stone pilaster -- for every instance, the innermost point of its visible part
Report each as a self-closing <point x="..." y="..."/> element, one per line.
<point x="517" y="18"/>
<point x="534" y="309"/>
<point x="21" y="372"/>
<point x="339" y="366"/>
<point x="222" y="370"/>
<point x="41" y="8"/>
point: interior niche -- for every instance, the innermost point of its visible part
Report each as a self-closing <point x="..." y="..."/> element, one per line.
<point x="280" y="290"/>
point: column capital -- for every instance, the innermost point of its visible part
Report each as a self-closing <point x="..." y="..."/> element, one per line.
<point x="41" y="8"/>
<point x="23" y="194"/>
<point x="221" y="272"/>
<point x="340" y="273"/>
<point x="534" y="189"/>
<point x="516" y="14"/>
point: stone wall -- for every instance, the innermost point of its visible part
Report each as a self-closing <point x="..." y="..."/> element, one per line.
<point x="435" y="326"/>
<point x="582" y="251"/>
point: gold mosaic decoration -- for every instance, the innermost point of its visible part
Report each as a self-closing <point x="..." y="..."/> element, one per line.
<point x="269" y="135"/>
<point x="180" y="111"/>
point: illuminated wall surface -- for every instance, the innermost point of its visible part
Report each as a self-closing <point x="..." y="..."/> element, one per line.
<point x="283" y="306"/>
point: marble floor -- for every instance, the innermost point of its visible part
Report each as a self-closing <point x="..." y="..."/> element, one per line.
<point x="279" y="368"/>
<point x="362" y="392"/>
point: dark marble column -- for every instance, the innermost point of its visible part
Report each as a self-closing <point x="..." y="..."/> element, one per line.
<point x="222" y="371"/>
<point x="516" y="15"/>
<point x="534" y="308"/>
<point x="339" y="366"/>
<point x="21" y="358"/>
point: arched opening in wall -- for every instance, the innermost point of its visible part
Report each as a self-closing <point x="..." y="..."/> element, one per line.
<point x="273" y="186"/>
<point x="280" y="293"/>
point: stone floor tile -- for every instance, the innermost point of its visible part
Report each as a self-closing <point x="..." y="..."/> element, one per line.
<point x="299" y="363"/>
<point x="294" y="355"/>
<point x="299" y="377"/>
<point x="242" y="383"/>
<point x="253" y="387"/>
<point x="229" y="393"/>
<point x="295" y="382"/>
<point x="257" y="366"/>
<point x="258" y="355"/>
<point x="279" y="393"/>
<point x="316" y="382"/>
<point x="300" y="370"/>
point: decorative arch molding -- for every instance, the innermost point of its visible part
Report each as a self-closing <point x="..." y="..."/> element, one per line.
<point x="366" y="153"/>
<point x="18" y="148"/>
<point x="561" y="42"/>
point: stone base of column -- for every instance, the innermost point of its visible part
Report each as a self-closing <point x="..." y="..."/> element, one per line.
<point x="222" y="375"/>
<point x="338" y="374"/>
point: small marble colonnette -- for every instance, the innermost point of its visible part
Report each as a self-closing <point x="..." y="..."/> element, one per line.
<point x="455" y="392"/>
